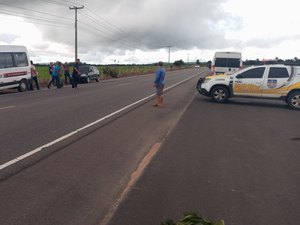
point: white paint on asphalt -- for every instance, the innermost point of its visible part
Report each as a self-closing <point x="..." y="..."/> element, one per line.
<point x="8" y="107"/>
<point x="39" y="149"/>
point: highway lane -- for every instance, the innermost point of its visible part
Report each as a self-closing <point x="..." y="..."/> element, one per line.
<point x="32" y="119"/>
<point x="83" y="178"/>
<point x="238" y="162"/>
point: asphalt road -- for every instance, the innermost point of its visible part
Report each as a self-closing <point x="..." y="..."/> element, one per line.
<point x="79" y="179"/>
<point x="238" y="162"/>
<point x="32" y="119"/>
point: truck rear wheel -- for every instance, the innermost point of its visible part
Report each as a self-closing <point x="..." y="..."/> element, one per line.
<point x="294" y="100"/>
<point x="220" y="94"/>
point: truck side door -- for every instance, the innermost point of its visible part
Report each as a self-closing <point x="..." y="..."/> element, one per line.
<point x="275" y="82"/>
<point x="249" y="82"/>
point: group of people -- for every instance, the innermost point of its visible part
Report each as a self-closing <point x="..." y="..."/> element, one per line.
<point x="57" y="70"/>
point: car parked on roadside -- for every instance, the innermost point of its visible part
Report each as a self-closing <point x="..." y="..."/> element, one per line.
<point x="88" y="73"/>
<point x="265" y="81"/>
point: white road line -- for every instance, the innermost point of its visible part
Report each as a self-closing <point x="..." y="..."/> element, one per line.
<point x="13" y="161"/>
<point x="8" y="107"/>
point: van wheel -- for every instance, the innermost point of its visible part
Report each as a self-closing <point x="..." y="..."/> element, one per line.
<point x="220" y="94"/>
<point x="294" y="100"/>
<point x="23" y="86"/>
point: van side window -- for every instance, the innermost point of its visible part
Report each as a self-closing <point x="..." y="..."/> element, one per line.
<point x="278" y="72"/>
<point x="6" y="60"/>
<point x="20" y="59"/>
<point x="253" y="73"/>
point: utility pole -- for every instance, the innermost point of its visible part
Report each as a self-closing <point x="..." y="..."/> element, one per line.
<point x="169" y="53"/>
<point x="76" y="8"/>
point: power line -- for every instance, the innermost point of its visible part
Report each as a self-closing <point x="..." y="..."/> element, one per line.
<point x="99" y="33"/>
<point x="103" y="28"/>
<point x="113" y="27"/>
<point x="106" y="33"/>
<point x="37" y="20"/>
<point x="39" y="12"/>
<point x="55" y="2"/>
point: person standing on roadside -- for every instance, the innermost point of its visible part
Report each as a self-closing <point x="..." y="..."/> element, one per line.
<point x="67" y="74"/>
<point x="75" y="73"/>
<point x="52" y="78"/>
<point x="34" y="74"/>
<point x="61" y="73"/>
<point x="50" y="68"/>
<point x="159" y="84"/>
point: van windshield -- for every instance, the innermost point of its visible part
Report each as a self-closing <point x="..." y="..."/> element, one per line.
<point x="227" y="62"/>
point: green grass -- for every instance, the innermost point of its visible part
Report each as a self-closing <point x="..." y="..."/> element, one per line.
<point x="43" y="72"/>
<point x="121" y="70"/>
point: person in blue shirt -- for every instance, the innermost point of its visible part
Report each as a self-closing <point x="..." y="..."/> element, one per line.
<point x="55" y="75"/>
<point x="159" y="84"/>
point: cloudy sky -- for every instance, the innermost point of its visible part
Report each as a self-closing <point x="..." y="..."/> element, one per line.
<point x="143" y="31"/>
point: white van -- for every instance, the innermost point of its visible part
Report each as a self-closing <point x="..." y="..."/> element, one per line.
<point x="226" y="62"/>
<point x="14" y="67"/>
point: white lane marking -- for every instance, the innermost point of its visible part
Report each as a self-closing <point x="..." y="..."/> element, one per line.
<point x="8" y="107"/>
<point x="13" y="161"/>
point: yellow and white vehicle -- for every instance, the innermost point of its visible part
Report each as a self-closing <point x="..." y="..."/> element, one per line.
<point x="265" y="81"/>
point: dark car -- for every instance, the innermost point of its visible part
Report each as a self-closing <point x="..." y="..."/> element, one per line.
<point x="88" y="73"/>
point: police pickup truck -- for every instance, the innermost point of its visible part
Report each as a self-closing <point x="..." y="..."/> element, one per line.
<point x="265" y="81"/>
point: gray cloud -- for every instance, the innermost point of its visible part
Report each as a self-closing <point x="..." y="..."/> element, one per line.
<point x="105" y="26"/>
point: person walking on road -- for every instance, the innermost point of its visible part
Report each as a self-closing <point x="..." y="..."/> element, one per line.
<point x="34" y="77"/>
<point x="159" y="84"/>
<point x="55" y="75"/>
<point x="75" y="74"/>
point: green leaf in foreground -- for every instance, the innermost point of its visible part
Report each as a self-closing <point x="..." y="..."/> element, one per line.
<point x="192" y="218"/>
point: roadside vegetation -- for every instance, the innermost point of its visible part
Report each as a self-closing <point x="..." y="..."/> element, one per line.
<point x="113" y="71"/>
